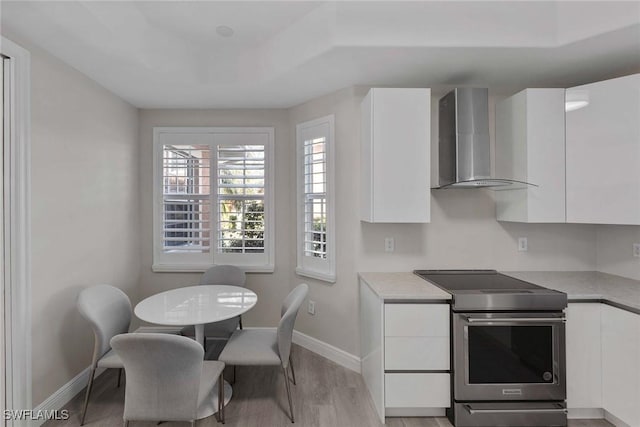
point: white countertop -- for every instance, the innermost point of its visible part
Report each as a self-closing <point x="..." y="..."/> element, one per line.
<point x="580" y="286"/>
<point x="587" y="286"/>
<point x="403" y="286"/>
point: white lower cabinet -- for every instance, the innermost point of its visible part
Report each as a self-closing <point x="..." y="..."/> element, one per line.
<point x="621" y="365"/>
<point x="603" y="363"/>
<point x="584" y="359"/>
<point x="416" y="353"/>
<point x="416" y="359"/>
<point x="405" y="355"/>
<point x="412" y="390"/>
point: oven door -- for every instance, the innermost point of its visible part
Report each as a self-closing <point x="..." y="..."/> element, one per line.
<point x="509" y="356"/>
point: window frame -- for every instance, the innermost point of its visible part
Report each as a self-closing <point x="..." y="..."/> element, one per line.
<point x="321" y="269"/>
<point x="199" y="262"/>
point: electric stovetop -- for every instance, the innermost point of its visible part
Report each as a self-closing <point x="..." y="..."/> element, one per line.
<point x="488" y="290"/>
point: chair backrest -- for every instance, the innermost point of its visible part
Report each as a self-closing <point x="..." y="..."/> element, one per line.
<point x="163" y="376"/>
<point x="108" y="310"/>
<point x="223" y="275"/>
<point x="289" y="311"/>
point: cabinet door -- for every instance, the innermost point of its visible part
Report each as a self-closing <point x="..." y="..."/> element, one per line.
<point x="371" y="345"/>
<point x="603" y="152"/>
<point x="413" y="390"/>
<point x="584" y="360"/>
<point x="530" y="147"/>
<point x="396" y="150"/>
<point x="416" y="320"/>
<point x="416" y="337"/>
<point x="620" y="364"/>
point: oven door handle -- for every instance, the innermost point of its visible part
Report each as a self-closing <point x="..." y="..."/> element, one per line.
<point x="515" y="411"/>
<point x="516" y="319"/>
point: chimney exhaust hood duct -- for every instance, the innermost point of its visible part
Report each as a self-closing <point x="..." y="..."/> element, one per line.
<point x="464" y="151"/>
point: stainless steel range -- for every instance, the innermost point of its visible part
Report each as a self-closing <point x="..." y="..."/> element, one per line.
<point x="508" y="349"/>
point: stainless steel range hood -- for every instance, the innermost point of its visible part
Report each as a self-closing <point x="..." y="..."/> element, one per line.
<point x="464" y="150"/>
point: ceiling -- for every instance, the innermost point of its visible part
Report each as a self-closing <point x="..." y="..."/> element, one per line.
<point x="167" y="54"/>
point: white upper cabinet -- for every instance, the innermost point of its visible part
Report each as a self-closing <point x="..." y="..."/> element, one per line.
<point x="603" y="152"/>
<point x="530" y="147"/>
<point x="395" y="156"/>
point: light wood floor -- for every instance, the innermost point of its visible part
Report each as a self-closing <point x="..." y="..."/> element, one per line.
<point x="327" y="395"/>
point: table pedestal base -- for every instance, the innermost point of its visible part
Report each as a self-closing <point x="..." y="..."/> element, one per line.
<point x="228" y="391"/>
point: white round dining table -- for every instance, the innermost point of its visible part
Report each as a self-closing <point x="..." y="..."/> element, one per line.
<point x="197" y="305"/>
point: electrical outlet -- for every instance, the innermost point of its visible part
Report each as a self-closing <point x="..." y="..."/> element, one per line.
<point x="636" y="250"/>
<point x="311" y="308"/>
<point x="523" y="244"/>
<point x="389" y="244"/>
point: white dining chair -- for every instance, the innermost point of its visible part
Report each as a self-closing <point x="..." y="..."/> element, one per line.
<point x="260" y="347"/>
<point x="220" y="275"/>
<point x="167" y="379"/>
<point x="108" y="311"/>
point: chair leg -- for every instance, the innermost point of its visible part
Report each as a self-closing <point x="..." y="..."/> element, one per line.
<point x="286" y="383"/>
<point x="126" y="423"/>
<point x="193" y="423"/>
<point x="293" y="373"/>
<point x="240" y="321"/>
<point x="221" y="398"/>
<point x="119" y="376"/>
<point x="86" y="397"/>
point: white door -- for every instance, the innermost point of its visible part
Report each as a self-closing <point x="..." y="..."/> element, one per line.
<point x="15" y="317"/>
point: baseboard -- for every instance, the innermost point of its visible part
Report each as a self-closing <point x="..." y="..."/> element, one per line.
<point x="327" y="351"/>
<point x="64" y="394"/>
<point x="321" y="348"/>
<point x="615" y="420"/>
<point x="585" y="413"/>
<point x="415" y="412"/>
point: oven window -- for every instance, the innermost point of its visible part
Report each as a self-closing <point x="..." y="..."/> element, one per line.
<point x="510" y="354"/>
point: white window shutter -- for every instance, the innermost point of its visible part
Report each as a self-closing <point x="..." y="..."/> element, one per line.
<point x="213" y="198"/>
<point x="186" y="213"/>
<point x="315" y="179"/>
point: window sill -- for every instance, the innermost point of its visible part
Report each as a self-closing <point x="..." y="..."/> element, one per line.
<point x="331" y="278"/>
<point x="201" y="268"/>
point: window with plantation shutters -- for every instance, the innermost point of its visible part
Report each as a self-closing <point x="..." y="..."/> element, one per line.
<point x="316" y="236"/>
<point x="241" y="198"/>
<point x="186" y="210"/>
<point x="314" y="163"/>
<point x="213" y="197"/>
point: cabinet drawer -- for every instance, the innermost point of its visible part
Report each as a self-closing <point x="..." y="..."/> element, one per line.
<point x="416" y="320"/>
<point x="416" y="353"/>
<point x="417" y="390"/>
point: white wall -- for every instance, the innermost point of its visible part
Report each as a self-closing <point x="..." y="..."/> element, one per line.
<point x="85" y="211"/>
<point x="615" y="250"/>
<point x="463" y="232"/>
<point x="337" y="314"/>
<point x="271" y="288"/>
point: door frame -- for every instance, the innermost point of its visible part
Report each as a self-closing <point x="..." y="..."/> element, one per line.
<point x="17" y="185"/>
